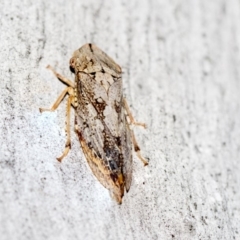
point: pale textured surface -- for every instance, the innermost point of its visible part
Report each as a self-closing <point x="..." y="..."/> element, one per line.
<point x="181" y="74"/>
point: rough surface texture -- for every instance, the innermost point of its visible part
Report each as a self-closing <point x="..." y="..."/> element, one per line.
<point x="181" y="74"/>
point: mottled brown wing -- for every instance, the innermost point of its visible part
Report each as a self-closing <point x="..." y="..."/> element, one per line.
<point x="102" y="121"/>
<point x="101" y="117"/>
<point x="97" y="116"/>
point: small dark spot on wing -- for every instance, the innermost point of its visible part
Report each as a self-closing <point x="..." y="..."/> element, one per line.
<point x="92" y="74"/>
<point x="89" y="144"/>
<point x="113" y="165"/>
<point x="114" y="176"/>
<point x="117" y="107"/>
<point x="99" y="155"/>
<point x="100" y="105"/>
<point x="118" y="141"/>
<point x="85" y="125"/>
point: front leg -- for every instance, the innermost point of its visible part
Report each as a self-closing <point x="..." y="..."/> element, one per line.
<point x="71" y="101"/>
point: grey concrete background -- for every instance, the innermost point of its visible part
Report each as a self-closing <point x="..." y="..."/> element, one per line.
<point x="181" y="65"/>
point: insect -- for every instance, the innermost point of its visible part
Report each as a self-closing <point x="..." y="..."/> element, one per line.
<point x="102" y="118"/>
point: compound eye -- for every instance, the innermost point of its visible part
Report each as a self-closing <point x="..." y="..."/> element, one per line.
<point x="72" y="65"/>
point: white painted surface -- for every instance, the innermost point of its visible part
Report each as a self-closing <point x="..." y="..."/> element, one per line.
<point x="181" y="74"/>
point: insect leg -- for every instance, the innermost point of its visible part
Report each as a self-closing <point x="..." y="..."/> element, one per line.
<point x="137" y="149"/>
<point x="68" y="90"/>
<point x="68" y="141"/>
<point x="132" y="120"/>
<point x="70" y="102"/>
<point x="61" y="78"/>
